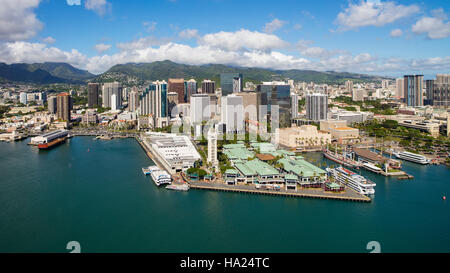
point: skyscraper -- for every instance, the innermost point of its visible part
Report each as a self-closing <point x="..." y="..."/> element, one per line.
<point x="294" y="105"/>
<point x="108" y="90"/>
<point x="400" y="88"/>
<point x="93" y="95"/>
<point x="200" y="108"/>
<point x="441" y="90"/>
<point x="52" y="104"/>
<point x="212" y="147"/>
<point x="64" y="106"/>
<point x="233" y="114"/>
<point x="231" y="83"/>
<point x="429" y="85"/>
<point x="177" y="86"/>
<point x="133" y="100"/>
<point x="190" y="88"/>
<point x="277" y="94"/>
<point x="385" y="84"/>
<point x="23" y="98"/>
<point x="154" y="103"/>
<point x="316" y="106"/>
<point x="208" y="87"/>
<point x="349" y="86"/>
<point x="413" y="88"/>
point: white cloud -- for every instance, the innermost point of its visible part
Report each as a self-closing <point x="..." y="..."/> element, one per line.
<point x="102" y="48"/>
<point x="434" y="27"/>
<point x="307" y="50"/>
<point x="188" y="34"/>
<point x="49" y="40"/>
<point x="396" y="33"/>
<point x="73" y="2"/>
<point x="242" y="40"/>
<point x="372" y="13"/>
<point x="143" y="43"/>
<point x="273" y="26"/>
<point x="150" y="26"/>
<point x="18" y="20"/>
<point x="99" y="6"/>
<point x="298" y="26"/>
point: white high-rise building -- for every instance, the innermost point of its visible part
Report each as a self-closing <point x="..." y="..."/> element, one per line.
<point x="233" y="114"/>
<point x="109" y="89"/>
<point x="133" y="101"/>
<point x="114" y="102"/>
<point x="200" y="108"/>
<point x="23" y="98"/>
<point x="400" y="86"/>
<point x="294" y="98"/>
<point x="316" y="106"/>
<point x="349" y="86"/>
<point x="385" y="84"/>
<point x="358" y="94"/>
<point x="212" y="147"/>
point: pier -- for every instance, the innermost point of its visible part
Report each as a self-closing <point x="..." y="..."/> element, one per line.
<point x="347" y="195"/>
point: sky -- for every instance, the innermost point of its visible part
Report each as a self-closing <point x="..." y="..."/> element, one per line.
<point x="388" y="38"/>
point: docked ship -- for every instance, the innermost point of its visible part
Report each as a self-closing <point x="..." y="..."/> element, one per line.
<point x="341" y="159"/>
<point x="371" y="167"/>
<point x="352" y="180"/>
<point x="50" y="140"/>
<point x="161" y="177"/>
<point x="179" y="187"/>
<point x="420" y="159"/>
<point x="149" y="170"/>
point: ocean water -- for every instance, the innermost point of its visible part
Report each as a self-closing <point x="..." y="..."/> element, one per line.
<point x="94" y="192"/>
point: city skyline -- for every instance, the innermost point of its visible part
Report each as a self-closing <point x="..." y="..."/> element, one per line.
<point x="389" y="38"/>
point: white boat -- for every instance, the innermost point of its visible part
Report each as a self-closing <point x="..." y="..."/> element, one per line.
<point x="371" y="167"/>
<point x="179" y="187"/>
<point x="161" y="178"/>
<point x="149" y="170"/>
<point x="420" y="159"/>
<point x="353" y="180"/>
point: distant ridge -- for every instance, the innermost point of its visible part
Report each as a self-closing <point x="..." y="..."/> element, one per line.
<point x="169" y="69"/>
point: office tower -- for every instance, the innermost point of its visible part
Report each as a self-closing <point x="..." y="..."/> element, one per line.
<point x="200" y="108"/>
<point x="385" y="84"/>
<point x="233" y="114"/>
<point x="114" y="102"/>
<point x="133" y="100"/>
<point x="294" y="98"/>
<point x="413" y="88"/>
<point x="349" y="86"/>
<point x="190" y="88"/>
<point x="441" y="90"/>
<point x="172" y="102"/>
<point x="63" y="106"/>
<point x="208" y="87"/>
<point x="23" y="98"/>
<point x="52" y="102"/>
<point x="251" y="102"/>
<point x="125" y="94"/>
<point x="93" y="95"/>
<point x="177" y="86"/>
<point x="358" y="95"/>
<point x="277" y="94"/>
<point x="108" y="90"/>
<point x="231" y="83"/>
<point x="316" y="106"/>
<point x="429" y="84"/>
<point x="400" y="89"/>
<point x="154" y="103"/>
<point x="212" y="147"/>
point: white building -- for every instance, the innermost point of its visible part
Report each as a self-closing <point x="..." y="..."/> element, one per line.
<point x="114" y="102"/>
<point x="23" y="98"/>
<point x="233" y="114"/>
<point x="399" y="91"/>
<point x="212" y="147"/>
<point x="358" y="95"/>
<point x="316" y="106"/>
<point x="294" y="98"/>
<point x="109" y="89"/>
<point x="133" y="101"/>
<point x="200" y="108"/>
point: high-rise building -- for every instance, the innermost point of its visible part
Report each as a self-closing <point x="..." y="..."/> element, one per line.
<point x="200" y="108"/>
<point x="231" y="83"/>
<point x="108" y="90"/>
<point x="52" y="104"/>
<point x="177" y="86"/>
<point x="93" y="95"/>
<point x="294" y="105"/>
<point x="413" y="90"/>
<point x="23" y="98"/>
<point x="358" y="94"/>
<point x="114" y="102"/>
<point x="133" y="100"/>
<point x="63" y="106"/>
<point x="385" y="84"/>
<point x="316" y="106"/>
<point x="429" y="85"/>
<point x="233" y="114"/>
<point x="125" y="94"/>
<point x="251" y="102"/>
<point x="400" y="88"/>
<point x="441" y="90"/>
<point x="208" y="87"/>
<point x="190" y="88"/>
<point x="277" y="94"/>
<point x="154" y="103"/>
<point x="349" y="86"/>
<point x="212" y="147"/>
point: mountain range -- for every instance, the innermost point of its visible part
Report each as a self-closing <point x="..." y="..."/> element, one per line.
<point x="46" y="73"/>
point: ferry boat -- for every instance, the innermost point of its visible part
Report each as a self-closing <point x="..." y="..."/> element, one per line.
<point x="352" y="180"/>
<point x="371" y="167"/>
<point x="161" y="177"/>
<point x="420" y="159"/>
<point x="179" y="187"/>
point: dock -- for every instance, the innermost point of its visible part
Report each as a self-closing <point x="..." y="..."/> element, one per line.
<point x="347" y="195"/>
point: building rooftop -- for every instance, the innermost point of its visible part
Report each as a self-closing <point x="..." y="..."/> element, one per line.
<point x="301" y="167"/>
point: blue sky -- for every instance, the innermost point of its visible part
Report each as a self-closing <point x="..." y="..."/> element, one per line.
<point x="377" y="37"/>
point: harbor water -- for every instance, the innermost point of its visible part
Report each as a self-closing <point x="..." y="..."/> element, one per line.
<point x="94" y="192"/>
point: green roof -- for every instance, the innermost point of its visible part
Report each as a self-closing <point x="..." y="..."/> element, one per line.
<point x="261" y="168"/>
<point x="233" y="146"/>
<point x="245" y="170"/>
<point x="231" y="171"/>
<point x="239" y="153"/>
<point x="301" y="167"/>
<point x="291" y="177"/>
<point x="333" y="185"/>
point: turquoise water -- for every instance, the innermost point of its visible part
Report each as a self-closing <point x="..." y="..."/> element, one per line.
<point x="94" y="192"/>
